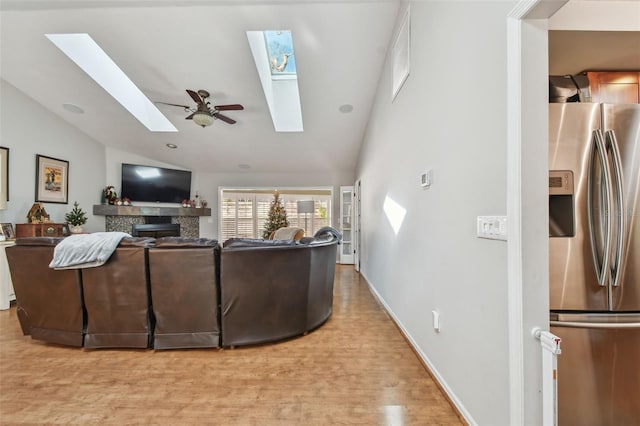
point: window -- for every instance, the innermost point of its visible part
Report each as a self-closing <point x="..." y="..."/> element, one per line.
<point x="275" y="62"/>
<point x="279" y="46"/>
<point x="243" y="213"/>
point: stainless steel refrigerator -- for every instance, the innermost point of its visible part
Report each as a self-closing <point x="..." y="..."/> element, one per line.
<point x="594" y="260"/>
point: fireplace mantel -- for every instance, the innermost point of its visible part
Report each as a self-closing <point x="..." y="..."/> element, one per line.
<point x="111" y="210"/>
<point x="123" y="218"/>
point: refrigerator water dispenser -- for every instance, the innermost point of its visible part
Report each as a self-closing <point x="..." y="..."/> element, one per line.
<point x="561" y="204"/>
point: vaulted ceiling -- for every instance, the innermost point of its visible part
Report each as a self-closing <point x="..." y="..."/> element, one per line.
<point x="166" y="47"/>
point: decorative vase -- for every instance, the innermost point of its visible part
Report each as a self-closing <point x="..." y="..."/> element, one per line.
<point x="75" y="229"/>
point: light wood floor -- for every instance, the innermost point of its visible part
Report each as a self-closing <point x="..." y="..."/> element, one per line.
<point x="355" y="369"/>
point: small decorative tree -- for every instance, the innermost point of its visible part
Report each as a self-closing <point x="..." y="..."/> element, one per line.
<point x="277" y="217"/>
<point x="76" y="218"/>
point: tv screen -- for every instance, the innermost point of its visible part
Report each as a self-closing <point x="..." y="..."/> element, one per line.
<point x="148" y="183"/>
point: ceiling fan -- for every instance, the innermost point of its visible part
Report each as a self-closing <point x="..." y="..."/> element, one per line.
<point x="204" y="114"/>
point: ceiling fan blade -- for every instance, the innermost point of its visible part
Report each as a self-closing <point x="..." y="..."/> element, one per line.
<point x="224" y="118"/>
<point x="189" y="117"/>
<point x="195" y="97"/>
<point x="233" y="107"/>
<point x="176" y="105"/>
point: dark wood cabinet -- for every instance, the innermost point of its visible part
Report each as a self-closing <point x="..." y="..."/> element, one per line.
<point x="41" y="230"/>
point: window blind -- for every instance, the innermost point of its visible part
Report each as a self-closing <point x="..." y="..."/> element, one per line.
<point x="244" y="213"/>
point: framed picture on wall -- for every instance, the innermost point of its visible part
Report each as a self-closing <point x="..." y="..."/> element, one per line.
<point x="52" y="180"/>
<point x="7" y="230"/>
<point x="4" y="176"/>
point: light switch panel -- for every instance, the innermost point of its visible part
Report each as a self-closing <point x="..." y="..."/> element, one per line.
<point x="492" y="227"/>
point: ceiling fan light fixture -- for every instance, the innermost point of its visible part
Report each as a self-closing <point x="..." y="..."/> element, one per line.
<point x="202" y="119"/>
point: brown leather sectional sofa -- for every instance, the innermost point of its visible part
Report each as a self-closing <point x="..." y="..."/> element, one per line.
<point x="173" y="292"/>
<point x="274" y="289"/>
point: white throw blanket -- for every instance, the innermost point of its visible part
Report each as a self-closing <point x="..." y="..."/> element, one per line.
<point x="86" y="250"/>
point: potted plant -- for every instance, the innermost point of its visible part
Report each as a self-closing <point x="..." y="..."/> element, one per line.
<point x="76" y="218"/>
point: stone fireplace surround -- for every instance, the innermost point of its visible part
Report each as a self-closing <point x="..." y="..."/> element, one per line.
<point x="122" y="218"/>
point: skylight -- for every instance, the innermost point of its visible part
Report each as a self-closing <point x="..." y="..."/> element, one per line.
<point x="280" y="50"/>
<point x="275" y="61"/>
<point x="86" y="53"/>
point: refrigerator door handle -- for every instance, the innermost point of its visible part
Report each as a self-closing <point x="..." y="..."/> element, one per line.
<point x="607" y="325"/>
<point x="599" y="149"/>
<point x="618" y="263"/>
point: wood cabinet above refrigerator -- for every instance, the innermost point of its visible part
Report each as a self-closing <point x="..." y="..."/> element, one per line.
<point x="614" y="87"/>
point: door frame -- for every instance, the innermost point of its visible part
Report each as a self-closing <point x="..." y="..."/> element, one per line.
<point x="527" y="198"/>
<point x="527" y="172"/>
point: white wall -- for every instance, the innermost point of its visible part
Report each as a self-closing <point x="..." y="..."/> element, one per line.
<point x="450" y="116"/>
<point x="28" y="129"/>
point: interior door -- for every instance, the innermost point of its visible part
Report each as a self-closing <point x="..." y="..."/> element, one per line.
<point x="346" y="224"/>
<point x="357" y="223"/>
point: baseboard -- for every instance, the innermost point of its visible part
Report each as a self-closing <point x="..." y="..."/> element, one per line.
<point x="453" y="400"/>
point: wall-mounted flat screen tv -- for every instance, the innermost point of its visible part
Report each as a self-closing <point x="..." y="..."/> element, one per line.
<point x="157" y="184"/>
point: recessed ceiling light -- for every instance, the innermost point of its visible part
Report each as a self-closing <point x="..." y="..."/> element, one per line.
<point x="244" y="166"/>
<point x="86" y="53"/>
<point x="346" y="108"/>
<point x="172" y="145"/>
<point x="73" y="108"/>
